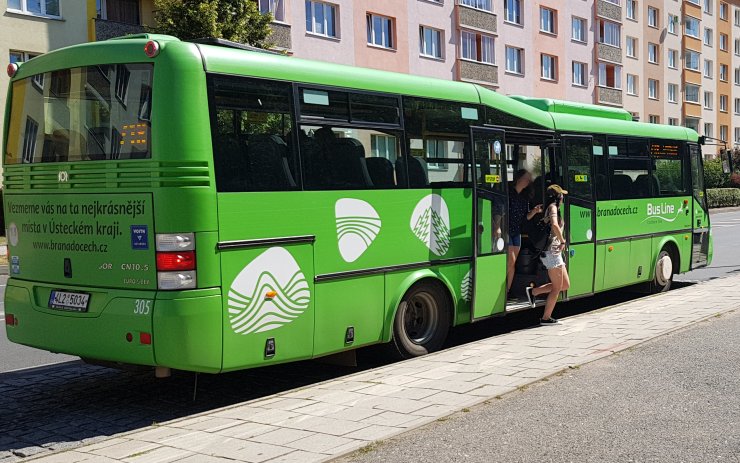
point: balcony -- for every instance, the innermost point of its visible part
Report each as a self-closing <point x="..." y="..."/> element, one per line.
<point x="105" y="29"/>
<point x="280" y="36"/>
<point x="473" y="71"/>
<point x="608" y="10"/>
<point x="474" y="18"/>
<point x="609" y="96"/>
<point x="608" y="53"/>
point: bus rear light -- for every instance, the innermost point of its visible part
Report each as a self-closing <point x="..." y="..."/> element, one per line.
<point x="12" y="69"/>
<point x="176" y="280"/>
<point x="151" y="48"/>
<point x="145" y="338"/>
<point x="175" y="242"/>
<point x="173" y="261"/>
<point x="11" y="320"/>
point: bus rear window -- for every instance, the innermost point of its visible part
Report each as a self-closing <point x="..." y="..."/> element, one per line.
<point x="92" y="113"/>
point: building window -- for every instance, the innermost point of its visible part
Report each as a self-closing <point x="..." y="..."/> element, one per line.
<point x="691" y="93"/>
<point x="653" y="17"/>
<point x="631" y="9"/>
<point x="723" y="103"/>
<point x="723" y="11"/>
<point x="477" y="47"/>
<point x="610" y="76"/>
<point x="708" y="36"/>
<point x="708" y="129"/>
<point x="672" y="92"/>
<point x="691" y="26"/>
<point x="737" y="17"/>
<point x="737" y="46"/>
<point x="578" y="29"/>
<point x="723" y="69"/>
<point x="380" y="31"/>
<point x="430" y="42"/>
<point x="672" y="121"/>
<point x="631" y="84"/>
<point x="274" y="7"/>
<point x="548" y="19"/>
<point x="692" y="123"/>
<point x="672" y="58"/>
<point x="610" y="33"/>
<point x="692" y="60"/>
<point x="708" y="97"/>
<point x="30" y="135"/>
<point x="737" y="76"/>
<point x="21" y="56"/>
<point x="653" y="89"/>
<point x="580" y="70"/>
<point x="653" y="53"/>
<point x="35" y="7"/>
<point x="723" y="132"/>
<point x="514" y="60"/>
<point x="708" y="6"/>
<point x="631" y="46"/>
<point x="321" y="18"/>
<point x="708" y="64"/>
<point x="384" y="146"/>
<point x="737" y="135"/>
<point x="513" y="11"/>
<point x="486" y="5"/>
<point x="654" y="119"/>
<point x="672" y="21"/>
<point x="549" y="67"/>
<point x="737" y="106"/>
<point x="723" y="42"/>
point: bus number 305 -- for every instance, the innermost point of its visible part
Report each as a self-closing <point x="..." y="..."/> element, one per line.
<point x="142" y="307"/>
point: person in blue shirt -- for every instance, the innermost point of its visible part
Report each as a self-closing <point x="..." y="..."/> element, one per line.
<point x="519" y="210"/>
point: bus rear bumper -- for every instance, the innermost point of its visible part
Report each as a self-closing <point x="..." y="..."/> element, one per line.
<point x="177" y="330"/>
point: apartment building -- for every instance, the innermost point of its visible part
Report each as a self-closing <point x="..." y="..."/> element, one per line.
<point x="666" y="61"/>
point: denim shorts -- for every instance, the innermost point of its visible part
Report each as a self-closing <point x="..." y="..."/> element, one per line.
<point x="515" y="240"/>
<point x="552" y="259"/>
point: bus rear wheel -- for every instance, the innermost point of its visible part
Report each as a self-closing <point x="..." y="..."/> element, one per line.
<point x="663" y="272"/>
<point x="422" y="321"/>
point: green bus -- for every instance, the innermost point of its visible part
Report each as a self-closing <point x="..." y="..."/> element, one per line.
<point x="205" y="207"/>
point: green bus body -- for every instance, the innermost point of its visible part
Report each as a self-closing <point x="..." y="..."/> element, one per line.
<point x="282" y="246"/>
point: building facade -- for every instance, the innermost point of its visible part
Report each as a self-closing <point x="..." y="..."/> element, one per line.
<point x="666" y="61"/>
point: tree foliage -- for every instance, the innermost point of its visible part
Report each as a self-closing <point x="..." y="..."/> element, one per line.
<point x="714" y="176"/>
<point x="235" y="20"/>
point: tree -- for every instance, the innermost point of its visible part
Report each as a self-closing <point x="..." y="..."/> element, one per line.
<point x="235" y="20"/>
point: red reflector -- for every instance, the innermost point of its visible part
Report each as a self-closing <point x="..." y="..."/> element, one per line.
<point x="173" y="261"/>
<point x="151" y="49"/>
<point x="12" y="69"/>
<point x="145" y="338"/>
<point x="10" y="319"/>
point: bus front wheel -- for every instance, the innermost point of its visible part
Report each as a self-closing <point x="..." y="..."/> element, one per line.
<point x="663" y="272"/>
<point x="422" y="320"/>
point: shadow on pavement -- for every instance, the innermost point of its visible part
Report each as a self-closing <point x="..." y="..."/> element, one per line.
<point x="64" y="405"/>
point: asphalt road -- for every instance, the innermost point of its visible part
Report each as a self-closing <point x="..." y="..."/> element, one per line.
<point x="674" y="399"/>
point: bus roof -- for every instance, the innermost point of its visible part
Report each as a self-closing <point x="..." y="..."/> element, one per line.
<point x="551" y="105"/>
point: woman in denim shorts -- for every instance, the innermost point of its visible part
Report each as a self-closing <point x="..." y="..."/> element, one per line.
<point x="552" y="257"/>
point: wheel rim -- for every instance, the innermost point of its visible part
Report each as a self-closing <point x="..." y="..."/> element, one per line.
<point x="664" y="269"/>
<point x="420" y="318"/>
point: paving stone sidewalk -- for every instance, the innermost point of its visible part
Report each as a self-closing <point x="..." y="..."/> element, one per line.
<point x="330" y="419"/>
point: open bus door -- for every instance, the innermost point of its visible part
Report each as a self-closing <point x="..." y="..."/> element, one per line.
<point x="490" y="222"/>
<point x="580" y="213"/>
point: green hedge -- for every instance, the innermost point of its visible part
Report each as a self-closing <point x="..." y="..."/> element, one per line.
<point x="723" y="197"/>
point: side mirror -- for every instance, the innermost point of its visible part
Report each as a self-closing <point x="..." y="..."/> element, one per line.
<point x="726" y="157"/>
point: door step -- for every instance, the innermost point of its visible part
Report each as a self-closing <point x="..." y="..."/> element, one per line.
<point x="518" y="306"/>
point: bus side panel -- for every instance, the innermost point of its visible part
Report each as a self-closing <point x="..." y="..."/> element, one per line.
<point x="617" y="264"/>
<point x="641" y="260"/>
<point x="356" y="303"/>
<point x="63" y="332"/>
<point x="187" y="331"/>
<point x="268" y="301"/>
<point x="600" y="267"/>
<point x="581" y="265"/>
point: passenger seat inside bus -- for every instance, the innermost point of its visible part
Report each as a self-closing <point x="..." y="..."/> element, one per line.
<point x="229" y="162"/>
<point x="417" y="171"/>
<point x="621" y="186"/>
<point x="642" y="185"/>
<point x="602" y="189"/>
<point x="346" y="162"/>
<point x="381" y="172"/>
<point x="267" y="164"/>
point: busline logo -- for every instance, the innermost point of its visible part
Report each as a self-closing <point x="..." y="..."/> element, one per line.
<point x="664" y="211"/>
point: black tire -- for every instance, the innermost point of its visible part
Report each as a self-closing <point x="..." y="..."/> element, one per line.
<point x="422" y="320"/>
<point x="663" y="273"/>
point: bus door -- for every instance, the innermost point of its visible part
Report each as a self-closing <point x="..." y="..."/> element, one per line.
<point x="580" y="213"/>
<point x="490" y="222"/>
<point x="700" y="242"/>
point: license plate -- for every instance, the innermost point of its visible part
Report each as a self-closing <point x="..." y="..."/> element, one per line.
<point x="65" y="300"/>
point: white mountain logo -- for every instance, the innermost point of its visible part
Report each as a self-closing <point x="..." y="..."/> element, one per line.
<point x="357" y="226"/>
<point x="466" y="286"/>
<point x="271" y="291"/>
<point x="430" y="222"/>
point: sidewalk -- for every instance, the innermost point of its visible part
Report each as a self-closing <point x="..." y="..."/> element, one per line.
<point x="330" y="419"/>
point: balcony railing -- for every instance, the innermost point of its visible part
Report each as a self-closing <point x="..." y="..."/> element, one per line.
<point x="474" y="71"/>
<point x="105" y="29"/>
<point x="609" y="53"/>
<point x="608" y="10"/>
<point x="280" y="36"/>
<point x="476" y="19"/>
<point x="610" y="96"/>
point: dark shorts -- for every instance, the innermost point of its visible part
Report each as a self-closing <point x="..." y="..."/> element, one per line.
<point x="515" y="240"/>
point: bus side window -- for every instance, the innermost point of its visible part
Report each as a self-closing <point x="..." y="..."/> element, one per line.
<point x="669" y="167"/>
<point x="252" y="134"/>
<point x="601" y="179"/>
<point x="629" y="168"/>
